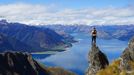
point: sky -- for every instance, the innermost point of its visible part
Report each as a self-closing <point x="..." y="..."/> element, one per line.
<point x="68" y="12"/>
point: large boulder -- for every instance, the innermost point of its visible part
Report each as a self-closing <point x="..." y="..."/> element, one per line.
<point x="97" y="60"/>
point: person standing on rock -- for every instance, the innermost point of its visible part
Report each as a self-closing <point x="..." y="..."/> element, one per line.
<point x="94" y="35"/>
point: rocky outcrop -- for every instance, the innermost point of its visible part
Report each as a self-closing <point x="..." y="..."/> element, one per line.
<point x="128" y="56"/>
<point x="97" y="60"/>
<point x="23" y="64"/>
<point x="121" y="66"/>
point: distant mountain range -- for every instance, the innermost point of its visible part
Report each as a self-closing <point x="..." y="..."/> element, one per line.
<point x="121" y="32"/>
<point x="17" y="36"/>
<point x="22" y="37"/>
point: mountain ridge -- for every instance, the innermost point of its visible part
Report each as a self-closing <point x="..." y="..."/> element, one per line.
<point x="39" y="39"/>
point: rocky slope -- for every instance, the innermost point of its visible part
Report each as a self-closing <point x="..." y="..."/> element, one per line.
<point x="97" y="60"/>
<point x="16" y="63"/>
<point x="127" y="58"/>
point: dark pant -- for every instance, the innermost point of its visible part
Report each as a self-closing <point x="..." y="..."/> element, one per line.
<point x="93" y="39"/>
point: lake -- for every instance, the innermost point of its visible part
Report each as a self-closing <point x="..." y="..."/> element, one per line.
<point x="76" y="58"/>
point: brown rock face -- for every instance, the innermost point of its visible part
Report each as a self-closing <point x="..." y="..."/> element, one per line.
<point x="97" y="60"/>
<point x="23" y="64"/>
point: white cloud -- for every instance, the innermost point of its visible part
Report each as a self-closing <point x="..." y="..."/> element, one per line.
<point x="41" y="14"/>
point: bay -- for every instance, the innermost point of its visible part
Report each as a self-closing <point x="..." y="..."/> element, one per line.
<point x="76" y="58"/>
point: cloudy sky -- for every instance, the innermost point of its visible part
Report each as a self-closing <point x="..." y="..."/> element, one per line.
<point x="89" y="12"/>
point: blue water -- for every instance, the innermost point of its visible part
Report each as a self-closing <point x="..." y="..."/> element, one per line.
<point x="76" y="58"/>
